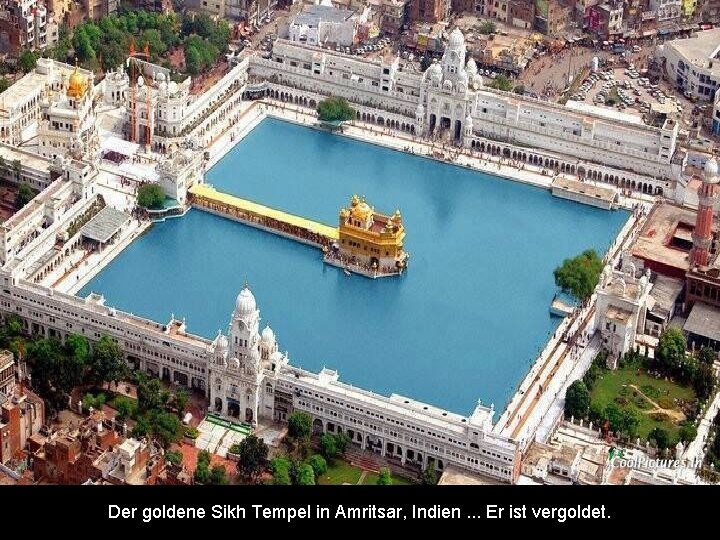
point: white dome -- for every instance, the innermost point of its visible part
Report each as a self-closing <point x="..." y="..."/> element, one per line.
<point x="471" y="67"/>
<point x="268" y="336"/>
<point x="711" y="168"/>
<point x="456" y="39"/>
<point x="435" y="71"/>
<point x="463" y="76"/>
<point x="245" y="303"/>
<point x="222" y="342"/>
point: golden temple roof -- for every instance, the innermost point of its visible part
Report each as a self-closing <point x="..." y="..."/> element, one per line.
<point x="359" y="209"/>
<point x="77" y="85"/>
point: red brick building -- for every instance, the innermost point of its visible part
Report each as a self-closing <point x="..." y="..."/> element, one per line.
<point x="430" y="11"/>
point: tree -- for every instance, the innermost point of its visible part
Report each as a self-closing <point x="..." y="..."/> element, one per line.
<point x="252" y="456"/>
<point x="166" y="428"/>
<point x="704" y="381"/>
<point x="173" y="457"/>
<point x="577" y="400"/>
<point x="181" y="400"/>
<point x="148" y="392"/>
<point x="425" y="63"/>
<point x="202" y="468"/>
<point x="150" y="196"/>
<point x="318" y="464"/>
<point x="280" y="467"/>
<point x="429" y="476"/>
<point x="335" y="110"/>
<point x="299" y="425"/>
<point x="125" y="407"/>
<point x="579" y="276"/>
<point x="707" y="356"/>
<point x="24" y="195"/>
<point x="384" y="478"/>
<point x="501" y="82"/>
<point x="27" y="60"/>
<point x="661" y="437"/>
<point x="487" y="27"/>
<point x="4" y="84"/>
<point x="108" y="363"/>
<point x="671" y="349"/>
<point x="305" y="475"/>
<point x="78" y="347"/>
<point x="519" y="89"/>
<point x="688" y="432"/>
<point x="614" y="416"/>
<point x="328" y="446"/>
<point x="341" y="442"/>
<point x="630" y="422"/>
<point x="218" y="476"/>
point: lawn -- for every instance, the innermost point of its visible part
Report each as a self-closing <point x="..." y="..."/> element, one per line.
<point x="341" y="472"/>
<point x="371" y="479"/>
<point x="633" y="387"/>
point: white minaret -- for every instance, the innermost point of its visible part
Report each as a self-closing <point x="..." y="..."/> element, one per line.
<point x="453" y="61"/>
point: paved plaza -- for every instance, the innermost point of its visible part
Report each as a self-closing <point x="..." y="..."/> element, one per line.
<point x="217" y="436"/>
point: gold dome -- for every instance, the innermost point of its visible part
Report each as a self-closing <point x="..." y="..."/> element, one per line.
<point x="77" y="85"/>
<point x="397" y="216"/>
<point x="361" y="211"/>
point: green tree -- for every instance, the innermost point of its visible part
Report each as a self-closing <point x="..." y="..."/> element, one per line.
<point x="202" y="468"/>
<point x="704" y="381"/>
<point x="425" y="63"/>
<point x="501" y="82"/>
<point x="24" y="195"/>
<point x="148" y="392"/>
<point x="487" y="27"/>
<point x="630" y="422"/>
<point x="614" y="416"/>
<point x="4" y="84"/>
<point x="27" y="60"/>
<point x="150" y="196"/>
<point x="13" y="325"/>
<point x="706" y="355"/>
<point x="429" y="476"/>
<point x="328" y="446"/>
<point x="519" y="89"/>
<point x="142" y="428"/>
<point x="688" y="432"/>
<point x="661" y="437"/>
<point x="577" y="400"/>
<point x="318" y="464"/>
<point x="384" y="478"/>
<point x="252" y="456"/>
<point x="305" y="475"/>
<point x="579" y="276"/>
<point x="78" y="347"/>
<point x="280" y="467"/>
<point x="181" y="400"/>
<point x="218" y="476"/>
<point x="341" y="442"/>
<point x="126" y="408"/>
<point x="335" y="110"/>
<point x="299" y="425"/>
<point x="108" y="362"/>
<point x="166" y="428"/>
<point x="173" y="457"/>
<point x="671" y="349"/>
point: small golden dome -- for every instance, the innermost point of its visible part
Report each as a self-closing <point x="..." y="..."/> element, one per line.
<point x="397" y="216"/>
<point x="355" y="200"/>
<point x="361" y="211"/>
<point x="77" y="85"/>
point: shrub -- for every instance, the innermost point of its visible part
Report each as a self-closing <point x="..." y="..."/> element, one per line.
<point x="192" y="432"/>
<point x="666" y="403"/>
<point x="659" y="417"/>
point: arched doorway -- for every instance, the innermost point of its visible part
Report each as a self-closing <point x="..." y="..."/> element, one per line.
<point x="249" y="415"/>
<point x="317" y="427"/>
<point x="218" y="404"/>
<point x="233" y="408"/>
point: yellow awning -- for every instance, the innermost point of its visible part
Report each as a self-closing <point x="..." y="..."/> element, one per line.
<point x="208" y="192"/>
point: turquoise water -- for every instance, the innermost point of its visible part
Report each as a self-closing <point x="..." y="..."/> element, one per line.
<point x="465" y="321"/>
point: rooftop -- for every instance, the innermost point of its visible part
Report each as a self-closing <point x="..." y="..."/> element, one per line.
<point x="665" y="292"/>
<point x="104" y="225"/>
<point x="704" y="320"/>
<point x="312" y="15"/>
<point x="654" y="243"/>
<point x="606" y="112"/>
<point x="700" y="49"/>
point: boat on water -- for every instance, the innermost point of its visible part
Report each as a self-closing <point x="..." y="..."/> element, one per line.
<point x="347" y="272"/>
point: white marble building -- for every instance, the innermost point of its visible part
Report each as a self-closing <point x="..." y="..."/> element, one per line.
<point x="622" y="302"/>
<point x="449" y="102"/>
